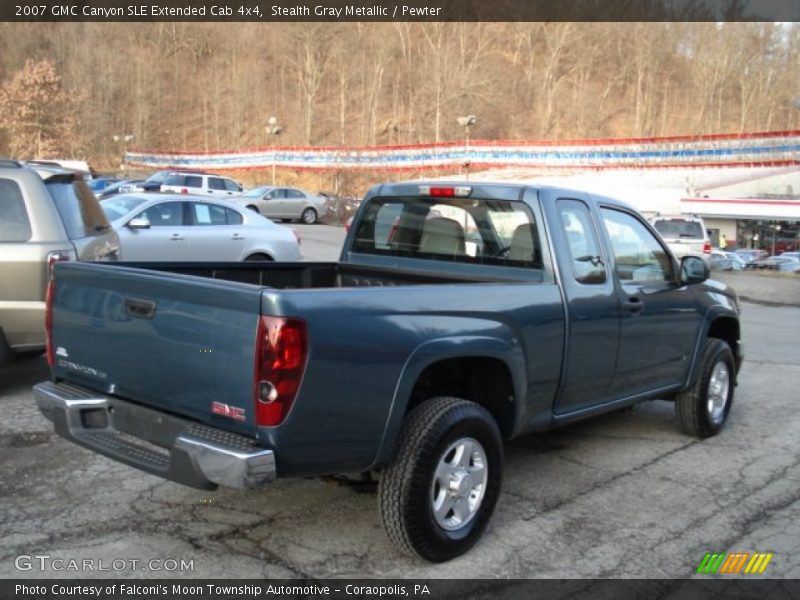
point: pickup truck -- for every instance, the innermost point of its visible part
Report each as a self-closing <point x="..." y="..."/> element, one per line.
<point x="459" y="315"/>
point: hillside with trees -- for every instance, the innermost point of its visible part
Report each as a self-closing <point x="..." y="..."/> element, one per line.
<point x="69" y="88"/>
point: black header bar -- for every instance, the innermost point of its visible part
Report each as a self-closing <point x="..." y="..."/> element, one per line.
<point x="400" y="10"/>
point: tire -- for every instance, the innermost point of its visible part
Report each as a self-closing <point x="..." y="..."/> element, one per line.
<point x="258" y="258"/>
<point x="309" y="216"/>
<point x="433" y="437"/>
<point x="703" y="409"/>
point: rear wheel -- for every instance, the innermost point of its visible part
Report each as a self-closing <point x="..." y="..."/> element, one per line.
<point x="437" y="497"/>
<point x="703" y="409"/>
<point x="309" y="216"/>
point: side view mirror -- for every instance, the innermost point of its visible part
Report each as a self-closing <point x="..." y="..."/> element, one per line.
<point x="693" y="270"/>
<point x="139" y="224"/>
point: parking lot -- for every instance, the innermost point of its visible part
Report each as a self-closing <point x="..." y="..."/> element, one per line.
<point x="624" y="495"/>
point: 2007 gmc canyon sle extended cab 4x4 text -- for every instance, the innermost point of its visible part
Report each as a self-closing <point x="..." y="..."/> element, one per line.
<point x="459" y="315"/>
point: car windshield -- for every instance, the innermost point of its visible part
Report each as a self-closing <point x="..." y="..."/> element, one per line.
<point x="119" y="206"/>
<point x="78" y="208"/>
<point x="158" y="177"/>
<point x="255" y="192"/>
<point x="679" y="228"/>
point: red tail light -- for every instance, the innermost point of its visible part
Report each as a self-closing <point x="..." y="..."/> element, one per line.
<point x="49" y="299"/>
<point x="184" y="191"/>
<point x="707" y="248"/>
<point x="281" y="351"/>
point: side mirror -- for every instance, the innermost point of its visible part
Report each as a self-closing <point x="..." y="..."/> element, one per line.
<point x="693" y="270"/>
<point x="139" y="224"/>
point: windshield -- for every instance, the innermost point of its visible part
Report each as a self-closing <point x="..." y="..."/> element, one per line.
<point x="498" y="232"/>
<point x="255" y="192"/>
<point x="158" y="177"/>
<point x="679" y="228"/>
<point x="119" y="206"/>
<point x="78" y="208"/>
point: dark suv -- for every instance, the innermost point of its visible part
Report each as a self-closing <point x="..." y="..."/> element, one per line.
<point x="47" y="214"/>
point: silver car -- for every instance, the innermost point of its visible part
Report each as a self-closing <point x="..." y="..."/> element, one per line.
<point x="173" y="227"/>
<point x="284" y="203"/>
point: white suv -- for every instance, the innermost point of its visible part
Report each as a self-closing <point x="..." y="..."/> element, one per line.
<point x="201" y="184"/>
<point x="685" y="235"/>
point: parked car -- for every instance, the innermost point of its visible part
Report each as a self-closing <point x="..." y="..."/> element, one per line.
<point x="47" y="214"/>
<point x="789" y="255"/>
<point x="125" y="186"/>
<point x="750" y="255"/>
<point x="411" y="357"/>
<point x="726" y="261"/>
<point x="172" y="227"/>
<point x="685" y="235"/>
<point x="783" y="264"/>
<point x="285" y="203"/>
<point x="201" y="184"/>
<point x="98" y="184"/>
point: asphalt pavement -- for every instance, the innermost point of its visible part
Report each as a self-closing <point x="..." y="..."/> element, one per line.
<point x="625" y="495"/>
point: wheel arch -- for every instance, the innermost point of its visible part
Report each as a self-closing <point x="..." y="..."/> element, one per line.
<point x="487" y="371"/>
<point x="720" y="325"/>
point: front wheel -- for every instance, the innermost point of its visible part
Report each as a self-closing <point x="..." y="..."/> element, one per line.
<point x="309" y="216"/>
<point x="703" y="409"/>
<point x="437" y="497"/>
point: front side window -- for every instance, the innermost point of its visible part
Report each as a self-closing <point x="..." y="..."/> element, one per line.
<point x="469" y="230"/>
<point x="638" y="256"/>
<point x="166" y="214"/>
<point x="582" y="242"/>
<point x="14" y="223"/>
<point x="215" y="183"/>
<point x="231" y="185"/>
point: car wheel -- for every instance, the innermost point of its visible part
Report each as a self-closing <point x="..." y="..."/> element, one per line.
<point x="309" y="216"/>
<point x="258" y="258"/>
<point x="703" y="409"/>
<point x="436" y="498"/>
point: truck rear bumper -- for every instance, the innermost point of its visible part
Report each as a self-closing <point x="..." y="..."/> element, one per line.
<point x="153" y="441"/>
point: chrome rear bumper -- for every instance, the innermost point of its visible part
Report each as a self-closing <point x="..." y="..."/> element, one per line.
<point x="153" y="441"/>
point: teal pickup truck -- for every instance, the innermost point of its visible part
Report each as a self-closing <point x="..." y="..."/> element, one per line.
<point x="459" y="315"/>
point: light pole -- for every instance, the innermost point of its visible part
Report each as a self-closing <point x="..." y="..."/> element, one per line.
<point x="128" y="137"/>
<point x="273" y="130"/>
<point x="466" y="122"/>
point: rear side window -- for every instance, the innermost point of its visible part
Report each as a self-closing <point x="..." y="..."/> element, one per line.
<point x="679" y="228"/>
<point x="496" y="232"/>
<point x="215" y="183"/>
<point x="213" y="214"/>
<point x="14" y="223"/>
<point x="195" y="181"/>
<point x="165" y="214"/>
<point x="79" y="209"/>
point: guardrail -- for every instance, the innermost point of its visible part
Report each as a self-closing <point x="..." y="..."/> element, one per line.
<point x="778" y="148"/>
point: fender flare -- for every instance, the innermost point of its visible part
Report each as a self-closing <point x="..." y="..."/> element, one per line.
<point x="714" y="313"/>
<point x="432" y="351"/>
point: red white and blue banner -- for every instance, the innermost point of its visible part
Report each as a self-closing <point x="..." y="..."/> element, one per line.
<point x="774" y="148"/>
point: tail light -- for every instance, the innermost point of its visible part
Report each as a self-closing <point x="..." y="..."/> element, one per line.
<point x="348" y="225"/>
<point x="707" y="248"/>
<point x="281" y="350"/>
<point x="49" y="299"/>
<point x="184" y="191"/>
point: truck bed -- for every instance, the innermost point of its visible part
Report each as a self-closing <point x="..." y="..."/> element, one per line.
<point x="308" y="275"/>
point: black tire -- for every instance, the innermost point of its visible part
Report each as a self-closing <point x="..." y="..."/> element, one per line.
<point x="309" y="216"/>
<point x="258" y="258"/>
<point x="408" y="487"/>
<point x="703" y="409"/>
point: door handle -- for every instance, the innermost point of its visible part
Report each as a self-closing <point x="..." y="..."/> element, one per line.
<point x="141" y="309"/>
<point x="633" y="305"/>
<point x="236" y="236"/>
<point x="176" y="237"/>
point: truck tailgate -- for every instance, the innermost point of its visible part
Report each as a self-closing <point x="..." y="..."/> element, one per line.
<point x="177" y="343"/>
